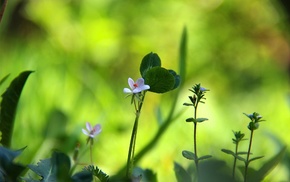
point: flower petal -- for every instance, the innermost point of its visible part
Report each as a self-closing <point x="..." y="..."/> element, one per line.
<point x="131" y="83"/>
<point x="89" y="127"/>
<point x="140" y="82"/>
<point x="97" y="128"/>
<point x="127" y="91"/>
<point x="140" y="89"/>
<point x="85" y="132"/>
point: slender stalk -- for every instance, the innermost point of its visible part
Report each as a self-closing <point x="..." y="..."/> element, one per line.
<point x="195" y="148"/>
<point x="161" y="130"/>
<point x="194" y="138"/>
<point x="91" y="153"/>
<point x="248" y="155"/>
<point x="130" y="159"/>
<point x="235" y="161"/>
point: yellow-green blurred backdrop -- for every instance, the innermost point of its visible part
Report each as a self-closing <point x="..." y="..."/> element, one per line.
<point x="83" y="52"/>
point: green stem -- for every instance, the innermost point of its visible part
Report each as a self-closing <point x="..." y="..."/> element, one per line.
<point x="169" y="119"/>
<point x="91" y="152"/>
<point x="194" y="138"/>
<point x="130" y="159"/>
<point x="235" y="161"/>
<point x="195" y="147"/>
<point x="248" y="155"/>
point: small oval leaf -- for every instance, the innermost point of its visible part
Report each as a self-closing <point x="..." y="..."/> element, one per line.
<point x="199" y="120"/>
<point x="189" y="120"/>
<point x="204" y="157"/>
<point x="188" y="155"/>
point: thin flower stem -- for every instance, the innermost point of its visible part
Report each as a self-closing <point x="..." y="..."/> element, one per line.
<point x="235" y="161"/>
<point x="130" y="160"/>
<point x="195" y="147"/>
<point x="77" y="161"/>
<point x="248" y="155"/>
<point x="91" y="153"/>
<point x="194" y="138"/>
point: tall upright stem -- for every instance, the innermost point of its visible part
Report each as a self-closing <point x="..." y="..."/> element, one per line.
<point x="91" y="153"/>
<point x="130" y="160"/>
<point x="235" y="161"/>
<point x="248" y="155"/>
<point x="194" y="138"/>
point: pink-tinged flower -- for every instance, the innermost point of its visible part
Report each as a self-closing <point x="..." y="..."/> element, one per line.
<point x="92" y="132"/>
<point x="136" y="87"/>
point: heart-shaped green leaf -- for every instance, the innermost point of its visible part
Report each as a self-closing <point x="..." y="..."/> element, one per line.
<point x="159" y="79"/>
<point x="149" y="61"/>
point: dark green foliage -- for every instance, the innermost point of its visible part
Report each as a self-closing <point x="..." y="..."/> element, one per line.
<point x="103" y="177"/>
<point x="149" y="61"/>
<point x="269" y="165"/>
<point x="83" y="176"/>
<point x="146" y="175"/>
<point x="57" y="168"/>
<point x="10" y="99"/>
<point x="158" y="78"/>
<point x="181" y="174"/>
<point x="10" y="171"/>
<point x="214" y="170"/>
<point x="3" y="79"/>
<point x="176" y="78"/>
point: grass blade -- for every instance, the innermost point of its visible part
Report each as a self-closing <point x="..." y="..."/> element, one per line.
<point x="9" y="104"/>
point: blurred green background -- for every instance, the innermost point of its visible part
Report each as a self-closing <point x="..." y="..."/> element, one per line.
<point x="83" y="52"/>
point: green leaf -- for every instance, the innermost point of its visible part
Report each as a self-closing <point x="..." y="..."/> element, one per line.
<point x="214" y="171"/>
<point x="44" y="170"/>
<point x="268" y="166"/>
<point x="199" y="120"/>
<point x="255" y="158"/>
<point x="187" y="104"/>
<point x="103" y="177"/>
<point x="147" y="175"/>
<point x="189" y="155"/>
<point x="182" y="54"/>
<point x="61" y="163"/>
<point x="10" y="99"/>
<point x="181" y="174"/>
<point x="176" y="79"/>
<point x="55" y="168"/>
<point x="149" y="61"/>
<point x="83" y="176"/>
<point x="159" y="79"/>
<point x="3" y="79"/>
<point x="204" y="157"/>
<point x="190" y="120"/>
<point x="241" y="158"/>
<point x="228" y="152"/>
<point x="243" y="153"/>
<point x="10" y="171"/>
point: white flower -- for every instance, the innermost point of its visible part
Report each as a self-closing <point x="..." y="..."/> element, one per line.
<point x="92" y="132"/>
<point x="136" y="87"/>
